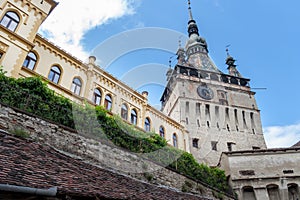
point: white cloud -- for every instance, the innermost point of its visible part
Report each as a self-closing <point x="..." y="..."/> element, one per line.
<point x="71" y="19"/>
<point x="282" y="136"/>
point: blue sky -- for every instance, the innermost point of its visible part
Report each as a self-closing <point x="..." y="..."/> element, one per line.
<point x="263" y="34"/>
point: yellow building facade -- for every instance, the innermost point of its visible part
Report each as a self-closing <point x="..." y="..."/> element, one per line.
<point x="24" y="53"/>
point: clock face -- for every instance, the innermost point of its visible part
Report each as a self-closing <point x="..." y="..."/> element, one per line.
<point x="205" y="92"/>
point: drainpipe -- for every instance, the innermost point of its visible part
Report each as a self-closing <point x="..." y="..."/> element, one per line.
<point x="51" y="192"/>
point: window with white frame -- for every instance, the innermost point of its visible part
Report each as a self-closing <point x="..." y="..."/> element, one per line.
<point x="30" y="61"/>
<point x="76" y="86"/>
<point x="10" y="20"/>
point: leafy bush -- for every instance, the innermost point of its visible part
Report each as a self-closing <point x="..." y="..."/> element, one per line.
<point x="32" y="95"/>
<point x="20" y="133"/>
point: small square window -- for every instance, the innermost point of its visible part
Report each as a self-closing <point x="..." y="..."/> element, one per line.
<point x="255" y="148"/>
<point x="214" y="145"/>
<point x="195" y="143"/>
<point x="230" y="146"/>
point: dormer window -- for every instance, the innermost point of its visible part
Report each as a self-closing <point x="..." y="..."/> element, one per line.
<point x="10" y="20"/>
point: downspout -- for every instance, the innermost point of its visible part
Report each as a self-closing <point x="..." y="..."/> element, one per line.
<point x="51" y="192"/>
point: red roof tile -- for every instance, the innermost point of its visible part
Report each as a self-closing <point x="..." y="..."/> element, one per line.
<point x="29" y="164"/>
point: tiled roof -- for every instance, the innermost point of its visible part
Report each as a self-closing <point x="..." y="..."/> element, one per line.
<point x="30" y="164"/>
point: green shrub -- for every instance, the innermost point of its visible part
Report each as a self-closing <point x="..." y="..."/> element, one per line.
<point x="32" y="95"/>
<point x="20" y="133"/>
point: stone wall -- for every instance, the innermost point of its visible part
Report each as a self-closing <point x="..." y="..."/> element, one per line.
<point x="98" y="153"/>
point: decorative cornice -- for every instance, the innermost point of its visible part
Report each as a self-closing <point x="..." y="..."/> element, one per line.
<point x="41" y="41"/>
<point x="165" y="118"/>
<point x="13" y="36"/>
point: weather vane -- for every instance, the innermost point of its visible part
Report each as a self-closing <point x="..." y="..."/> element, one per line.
<point x="227" y="49"/>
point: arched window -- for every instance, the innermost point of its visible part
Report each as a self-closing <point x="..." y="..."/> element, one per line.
<point x="54" y="74"/>
<point x="133" y="117"/>
<point x="76" y="86"/>
<point x="248" y="193"/>
<point x="162" y="131"/>
<point x="175" y="142"/>
<point x="273" y="191"/>
<point x="124" y="112"/>
<point x="147" y="124"/>
<point x="30" y="61"/>
<point x="293" y="191"/>
<point x="10" y="20"/>
<point x="108" y="102"/>
<point x="97" y="96"/>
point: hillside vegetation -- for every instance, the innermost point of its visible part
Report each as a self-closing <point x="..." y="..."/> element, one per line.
<point x="33" y="96"/>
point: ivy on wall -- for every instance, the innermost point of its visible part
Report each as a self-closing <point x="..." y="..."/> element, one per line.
<point x="33" y="96"/>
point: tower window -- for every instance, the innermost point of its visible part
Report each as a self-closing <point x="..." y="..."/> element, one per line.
<point x="30" y="61"/>
<point x="195" y="143"/>
<point x="217" y="111"/>
<point x="198" y="122"/>
<point x="244" y="118"/>
<point x="187" y="107"/>
<point x="235" y="115"/>
<point x="207" y="110"/>
<point x="10" y="21"/>
<point x="214" y="145"/>
<point x="208" y="125"/>
<point x="214" y="77"/>
<point x="251" y="115"/>
<point x="227" y="113"/>
<point x="198" y="111"/>
<point x="228" y="128"/>
<point x="187" y="121"/>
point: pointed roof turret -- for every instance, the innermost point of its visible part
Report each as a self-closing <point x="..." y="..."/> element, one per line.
<point x="180" y="55"/>
<point x="232" y="70"/>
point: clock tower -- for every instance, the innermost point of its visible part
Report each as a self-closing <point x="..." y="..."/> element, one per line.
<point x="218" y="110"/>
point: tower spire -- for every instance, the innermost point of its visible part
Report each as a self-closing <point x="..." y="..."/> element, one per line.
<point x="190" y="10"/>
<point x="192" y="26"/>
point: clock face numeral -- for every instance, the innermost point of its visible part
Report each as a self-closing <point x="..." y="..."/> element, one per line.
<point x="205" y="92"/>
